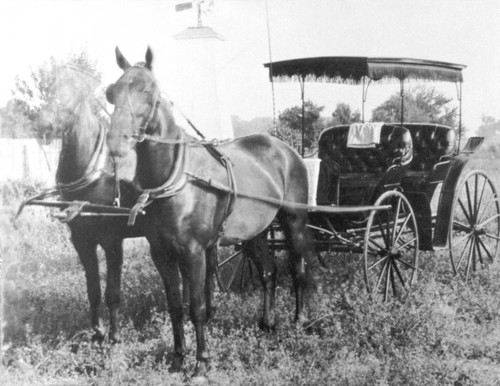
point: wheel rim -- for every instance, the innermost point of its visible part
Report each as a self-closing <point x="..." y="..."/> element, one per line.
<point x="475" y="224"/>
<point x="391" y="248"/>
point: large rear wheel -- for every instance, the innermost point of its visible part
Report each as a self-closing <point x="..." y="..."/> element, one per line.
<point x="391" y="247"/>
<point x="475" y="224"/>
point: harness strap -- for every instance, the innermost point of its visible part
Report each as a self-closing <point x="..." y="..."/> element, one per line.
<point x="92" y="172"/>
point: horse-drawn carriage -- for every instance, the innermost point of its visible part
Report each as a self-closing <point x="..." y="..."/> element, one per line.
<point x="398" y="168"/>
<point x="188" y="195"/>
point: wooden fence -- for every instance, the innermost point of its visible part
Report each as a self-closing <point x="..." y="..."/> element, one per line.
<point x="27" y="159"/>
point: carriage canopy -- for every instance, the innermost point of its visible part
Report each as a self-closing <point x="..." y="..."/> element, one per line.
<point x="353" y="69"/>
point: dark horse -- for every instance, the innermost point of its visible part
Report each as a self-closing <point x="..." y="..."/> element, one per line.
<point x="85" y="173"/>
<point x="209" y="194"/>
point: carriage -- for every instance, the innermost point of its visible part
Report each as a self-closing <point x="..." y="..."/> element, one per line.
<point x="370" y="193"/>
<point x="389" y="190"/>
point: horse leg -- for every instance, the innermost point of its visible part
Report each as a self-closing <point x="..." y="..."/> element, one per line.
<point x="300" y="250"/>
<point x="209" y="285"/>
<point x="87" y="252"/>
<point x="258" y="249"/>
<point x="168" y="268"/>
<point x="211" y="258"/>
<point x="193" y="266"/>
<point x="114" y="259"/>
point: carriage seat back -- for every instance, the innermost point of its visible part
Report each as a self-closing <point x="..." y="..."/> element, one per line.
<point x="431" y="144"/>
<point x="395" y="148"/>
<point x="361" y="173"/>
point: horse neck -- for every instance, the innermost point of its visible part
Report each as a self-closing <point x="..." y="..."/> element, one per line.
<point x="155" y="160"/>
<point x="80" y="143"/>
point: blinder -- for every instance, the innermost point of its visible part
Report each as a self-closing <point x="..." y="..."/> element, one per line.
<point x="110" y="93"/>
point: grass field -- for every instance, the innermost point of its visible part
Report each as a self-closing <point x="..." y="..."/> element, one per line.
<point x="446" y="332"/>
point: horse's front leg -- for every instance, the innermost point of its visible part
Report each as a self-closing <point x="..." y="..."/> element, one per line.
<point x="166" y="261"/>
<point x="114" y="259"/>
<point x="87" y="252"/>
<point x="193" y="266"/>
<point x="258" y="249"/>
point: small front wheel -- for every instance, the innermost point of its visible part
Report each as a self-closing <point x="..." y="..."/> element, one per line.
<point x="391" y="251"/>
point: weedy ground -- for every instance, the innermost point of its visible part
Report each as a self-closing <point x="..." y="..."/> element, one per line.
<point x="447" y="331"/>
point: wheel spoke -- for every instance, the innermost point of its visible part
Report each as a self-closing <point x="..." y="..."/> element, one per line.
<point x="233" y="273"/>
<point x="400" y="276"/>
<point x="463" y="253"/>
<point x="485" y="249"/>
<point x="388" y="274"/>
<point x="459" y="226"/>
<point x="479" y="255"/>
<point x="379" y="281"/>
<point x="396" y="218"/>
<point x="407" y="243"/>
<point x="489" y="220"/>
<point x="492" y="236"/>
<point x="462" y="239"/>
<point x="478" y="205"/>
<point x="465" y="211"/>
<point x="469" y="201"/>
<point x="401" y="230"/>
<point x="377" y="245"/>
<point x="381" y="227"/>
<point x="407" y="264"/>
<point x="469" y="257"/>
<point x="377" y="263"/>
<point x="393" y="282"/>
<point x="486" y="209"/>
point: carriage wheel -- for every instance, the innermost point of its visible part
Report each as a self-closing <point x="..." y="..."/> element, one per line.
<point x="234" y="269"/>
<point x="475" y="224"/>
<point x="391" y="247"/>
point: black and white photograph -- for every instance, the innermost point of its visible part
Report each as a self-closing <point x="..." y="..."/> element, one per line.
<point x="250" y="192"/>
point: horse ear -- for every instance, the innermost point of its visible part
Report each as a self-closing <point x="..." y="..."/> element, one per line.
<point x="120" y="59"/>
<point x="149" y="58"/>
<point x="110" y="95"/>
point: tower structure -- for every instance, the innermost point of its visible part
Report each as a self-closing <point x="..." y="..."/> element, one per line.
<point x="200" y="50"/>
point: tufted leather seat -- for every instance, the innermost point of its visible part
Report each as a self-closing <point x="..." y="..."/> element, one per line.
<point x="431" y="144"/>
<point x="360" y="172"/>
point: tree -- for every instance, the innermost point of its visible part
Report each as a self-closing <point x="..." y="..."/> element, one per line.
<point x="421" y="104"/>
<point x="255" y="125"/>
<point x="290" y="125"/>
<point x="343" y="115"/>
<point x="55" y="80"/>
<point x="489" y="127"/>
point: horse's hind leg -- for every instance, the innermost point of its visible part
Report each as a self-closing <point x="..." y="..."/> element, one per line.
<point x="300" y="249"/>
<point x="87" y="252"/>
<point x="114" y="259"/>
<point x="258" y="249"/>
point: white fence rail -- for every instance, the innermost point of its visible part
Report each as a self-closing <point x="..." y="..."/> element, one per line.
<point x="26" y="158"/>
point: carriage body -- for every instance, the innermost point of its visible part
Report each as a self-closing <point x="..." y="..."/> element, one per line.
<point x="416" y="172"/>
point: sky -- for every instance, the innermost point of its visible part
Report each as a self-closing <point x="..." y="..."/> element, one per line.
<point x="458" y="31"/>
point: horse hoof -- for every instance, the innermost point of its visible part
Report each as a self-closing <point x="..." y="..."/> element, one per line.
<point x="267" y="326"/>
<point x="200" y="374"/>
<point x="115" y="338"/>
<point x="176" y="364"/>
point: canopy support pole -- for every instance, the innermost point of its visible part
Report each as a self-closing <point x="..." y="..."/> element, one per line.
<point x="402" y="84"/>
<point x="459" y="97"/>
<point x="364" y="97"/>
<point x="302" y="84"/>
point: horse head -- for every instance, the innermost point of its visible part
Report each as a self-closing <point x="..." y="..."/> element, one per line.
<point x="138" y="109"/>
